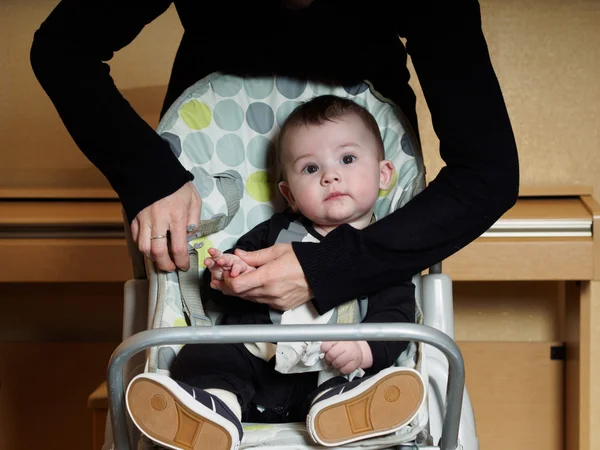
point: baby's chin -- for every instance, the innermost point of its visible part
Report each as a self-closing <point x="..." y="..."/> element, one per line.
<point x="358" y="221"/>
<point x="334" y="220"/>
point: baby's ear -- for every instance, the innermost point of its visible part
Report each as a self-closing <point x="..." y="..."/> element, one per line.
<point x="386" y="174"/>
<point x="285" y="190"/>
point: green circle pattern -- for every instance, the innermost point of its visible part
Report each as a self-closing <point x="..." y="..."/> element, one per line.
<point x="259" y="187"/>
<point x="195" y="114"/>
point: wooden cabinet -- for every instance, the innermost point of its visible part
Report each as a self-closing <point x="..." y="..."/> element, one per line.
<point x="548" y="244"/>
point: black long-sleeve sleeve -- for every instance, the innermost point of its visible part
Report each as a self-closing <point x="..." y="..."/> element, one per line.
<point x="478" y="184"/>
<point x="68" y="56"/>
<point x="392" y="305"/>
<point x="450" y="55"/>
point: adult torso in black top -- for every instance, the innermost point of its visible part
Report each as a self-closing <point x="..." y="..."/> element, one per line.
<point x="342" y="42"/>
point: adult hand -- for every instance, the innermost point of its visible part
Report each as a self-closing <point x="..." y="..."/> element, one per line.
<point x="171" y="214"/>
<point x="278" y="280"/>
<point x="218" y="263"/>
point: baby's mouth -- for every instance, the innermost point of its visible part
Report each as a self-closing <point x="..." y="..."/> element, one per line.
<point x="334" y="195"/>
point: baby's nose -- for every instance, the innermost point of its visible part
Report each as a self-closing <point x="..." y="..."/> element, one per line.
<point x="330" y="177"/>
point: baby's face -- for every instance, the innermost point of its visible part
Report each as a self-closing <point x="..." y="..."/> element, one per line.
<point x="333" y="172"/>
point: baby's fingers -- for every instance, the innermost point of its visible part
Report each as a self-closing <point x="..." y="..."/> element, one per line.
<point x="327" y="345"/>
<point x="216" y="284"/>
<point x="226" y="260"/>
<point x="238" y="267"/>
<point x="350" y="367"/>
<point x="216" y="274"/>
<point x="214" y="252"/>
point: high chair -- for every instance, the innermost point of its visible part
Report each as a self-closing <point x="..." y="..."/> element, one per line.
<point x="222" y="129"/>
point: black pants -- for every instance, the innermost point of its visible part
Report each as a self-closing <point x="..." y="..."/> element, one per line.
<point x="265" y="395"/>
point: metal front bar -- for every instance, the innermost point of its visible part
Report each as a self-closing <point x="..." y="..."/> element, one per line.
<point x="287" y="333"/>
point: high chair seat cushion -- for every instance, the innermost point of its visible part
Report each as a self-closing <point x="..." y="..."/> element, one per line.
<point x="224" y="123"/>
<point x="227" y="124"/>
<point x="295" y="436"/>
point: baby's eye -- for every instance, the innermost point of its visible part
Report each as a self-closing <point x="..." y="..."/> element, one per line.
<point x="310" y="169"/>
<point x="348" y="159"/>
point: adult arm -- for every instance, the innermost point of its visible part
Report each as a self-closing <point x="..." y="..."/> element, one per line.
<point x="478" y="184"/>
<point x="69" y="55"/>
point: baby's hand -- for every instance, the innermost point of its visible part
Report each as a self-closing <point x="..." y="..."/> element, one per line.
<point x="225" y="262"/>
<point x="345" y="356"/>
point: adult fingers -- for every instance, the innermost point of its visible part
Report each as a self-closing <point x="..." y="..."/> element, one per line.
<point x="263" y="256"/>
<point x="195" y="207"/>
<point x="143" y="241"/>
<point x="179" y="248"/>
<point x="159" y="250"/>
<point x="135" y="229"/>
<point x="247" y="283"/>
<point x="269" y="295"/>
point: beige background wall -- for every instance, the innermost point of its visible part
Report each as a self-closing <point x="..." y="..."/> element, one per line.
<point x="546" y="54"/>
<point x="36" y="148"/>
<point x="547" y="57"/>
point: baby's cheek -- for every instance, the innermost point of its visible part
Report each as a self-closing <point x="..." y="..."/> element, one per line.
<point x="309" y="213"/>
<point x="306" y="204"/>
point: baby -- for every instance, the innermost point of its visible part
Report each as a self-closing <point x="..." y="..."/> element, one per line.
<point x="332" y="166"/>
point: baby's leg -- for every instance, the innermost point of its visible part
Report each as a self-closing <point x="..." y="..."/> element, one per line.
<point x="365" y="407"/>
<point x="200" y="405"/>
<point x="226" y="367"/>
<point x="230" y="399"/>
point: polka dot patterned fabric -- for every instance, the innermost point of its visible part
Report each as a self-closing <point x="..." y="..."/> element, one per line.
<point x="225" y="123"/>
<point x="228" y="124"/>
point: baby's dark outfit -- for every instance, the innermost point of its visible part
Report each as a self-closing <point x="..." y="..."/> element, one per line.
<point x="265" y="394"/>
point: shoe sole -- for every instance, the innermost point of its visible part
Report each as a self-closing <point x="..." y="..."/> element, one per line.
<point x="165" y="418"/>
<point x="381" y="406"/>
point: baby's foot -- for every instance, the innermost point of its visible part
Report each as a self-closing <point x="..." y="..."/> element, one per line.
<point x="179" y="416"/>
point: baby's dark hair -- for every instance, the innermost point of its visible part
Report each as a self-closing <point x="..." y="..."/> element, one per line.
<point x="325" y="108"/>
